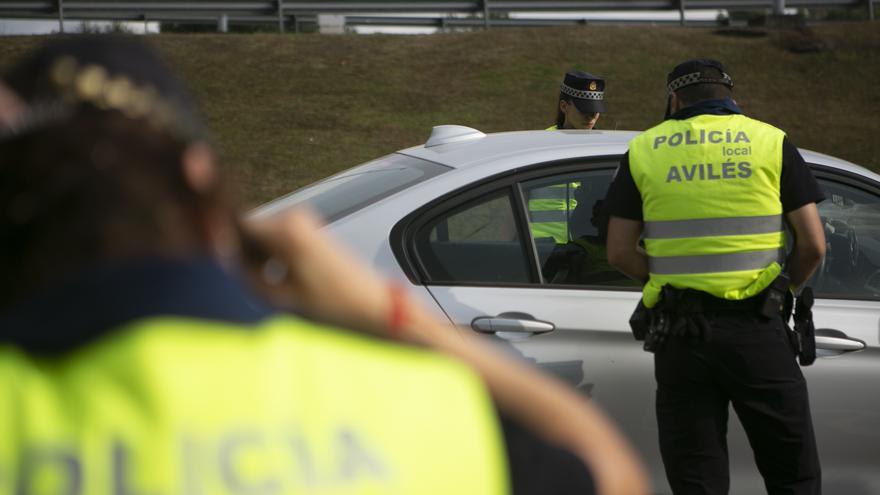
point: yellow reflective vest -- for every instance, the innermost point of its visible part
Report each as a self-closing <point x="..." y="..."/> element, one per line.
<point x="187" y="406"/>
<point x="711" y="205"/>
<point x="549" y="209"/>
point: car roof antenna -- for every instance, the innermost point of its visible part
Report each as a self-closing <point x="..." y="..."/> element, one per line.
<point x="445" y="134"/>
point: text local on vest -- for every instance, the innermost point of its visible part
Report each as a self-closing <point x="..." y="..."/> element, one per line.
<point x="731" y="147"/>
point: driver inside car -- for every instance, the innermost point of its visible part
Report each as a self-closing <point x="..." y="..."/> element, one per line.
<point x="582" y="260"/>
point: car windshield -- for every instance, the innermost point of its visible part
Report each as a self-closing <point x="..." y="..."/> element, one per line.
<point x="344" y="193"/>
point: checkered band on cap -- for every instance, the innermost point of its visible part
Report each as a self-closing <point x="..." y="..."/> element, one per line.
<point x="583" y="95"/>
<point x="697" y="78"/>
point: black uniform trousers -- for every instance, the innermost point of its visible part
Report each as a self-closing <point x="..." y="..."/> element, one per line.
<point x="749" y="363"/>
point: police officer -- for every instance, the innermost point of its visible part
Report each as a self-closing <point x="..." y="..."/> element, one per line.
<point x="581" y="101"/>
<point x="135" y="358"/>
<point x="708" y="191"/>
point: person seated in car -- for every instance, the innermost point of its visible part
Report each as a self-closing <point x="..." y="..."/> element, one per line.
<point x="583" y="260"/>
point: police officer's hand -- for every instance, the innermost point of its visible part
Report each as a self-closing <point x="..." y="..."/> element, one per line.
<point x="11" y="107"/>
<point x="306" y="269"/>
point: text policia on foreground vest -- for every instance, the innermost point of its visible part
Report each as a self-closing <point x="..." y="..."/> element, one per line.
<point x="184" y="406"/>
<point x="711" y="207"/>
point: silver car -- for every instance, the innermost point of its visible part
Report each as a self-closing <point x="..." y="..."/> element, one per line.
<point x="455" y="218"/>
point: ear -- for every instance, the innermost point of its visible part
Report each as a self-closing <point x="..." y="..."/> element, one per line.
<point x="11" y="106"/>
<point x="199" y="169"/>
<point x="217" y="230"/>
<point x="675" y="103"/>
<point x="563" y="106"/>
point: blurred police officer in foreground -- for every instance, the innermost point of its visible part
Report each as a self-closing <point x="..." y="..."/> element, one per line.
<point x="134" y="358"/>
<point x="708" y="190"/>
<point x="581" y="101"/>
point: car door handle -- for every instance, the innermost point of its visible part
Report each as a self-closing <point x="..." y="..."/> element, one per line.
<point x="501" y="323"/>
<point x="835" y="340"/>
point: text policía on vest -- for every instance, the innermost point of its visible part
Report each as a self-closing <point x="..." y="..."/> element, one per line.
<point x="288" y="461"/>
<point x="709" y="171"/>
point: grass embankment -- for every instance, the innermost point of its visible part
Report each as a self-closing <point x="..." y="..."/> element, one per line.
<point x="287" y="110"/>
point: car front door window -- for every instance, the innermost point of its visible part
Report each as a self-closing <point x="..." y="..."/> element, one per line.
<point x="851" y="218"/>
<point x="562" y="232"/>
<point x="567" y="222"/>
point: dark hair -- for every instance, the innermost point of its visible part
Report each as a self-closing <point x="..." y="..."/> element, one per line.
<point x="695" y="93"/>
<point x="92" y="188"/>
<point x="82" y="182"/>
<point x="560" y="116"/>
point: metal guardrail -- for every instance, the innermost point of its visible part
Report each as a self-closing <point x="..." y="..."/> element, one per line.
<point x="485" y="13"/>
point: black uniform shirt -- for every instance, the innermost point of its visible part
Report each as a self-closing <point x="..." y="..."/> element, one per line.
<point x="798" y="187"/>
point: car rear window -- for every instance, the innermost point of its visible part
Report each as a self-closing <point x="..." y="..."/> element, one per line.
<point x="349" y="191"/>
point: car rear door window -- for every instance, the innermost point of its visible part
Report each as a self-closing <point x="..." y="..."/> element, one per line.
<point x="851" y="218"/>
<point x="476" y="242"/>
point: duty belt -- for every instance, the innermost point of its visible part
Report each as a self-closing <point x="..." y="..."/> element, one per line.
<point x="681" y="312"/>
<point x="710" y="303"/>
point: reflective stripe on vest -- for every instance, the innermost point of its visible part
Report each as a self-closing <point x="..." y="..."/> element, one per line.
<point x="549" y="208"/>
<point x="547" y="216"/>
<point x="557" y="192"/>
<point x="710" y="200"/>
<point x="705" y="227"/>
<point x="715" y="263"/>
<point x="173" y="405"/>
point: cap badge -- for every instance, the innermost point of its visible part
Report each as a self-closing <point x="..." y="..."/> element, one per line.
<point x="593" y="86"/>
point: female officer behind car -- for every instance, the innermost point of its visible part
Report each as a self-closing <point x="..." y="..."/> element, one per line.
<point x="134" y="358"/>
<point x="581" y="101"/>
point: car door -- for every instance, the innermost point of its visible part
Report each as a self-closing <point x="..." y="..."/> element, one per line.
<point x="844" y="381"/>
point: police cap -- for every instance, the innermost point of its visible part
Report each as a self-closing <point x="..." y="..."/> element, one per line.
<point x="697" y="71"/>
<point x="585" y="90"/>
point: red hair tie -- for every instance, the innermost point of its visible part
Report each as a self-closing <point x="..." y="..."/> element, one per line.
<point x="397" y="311"/>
